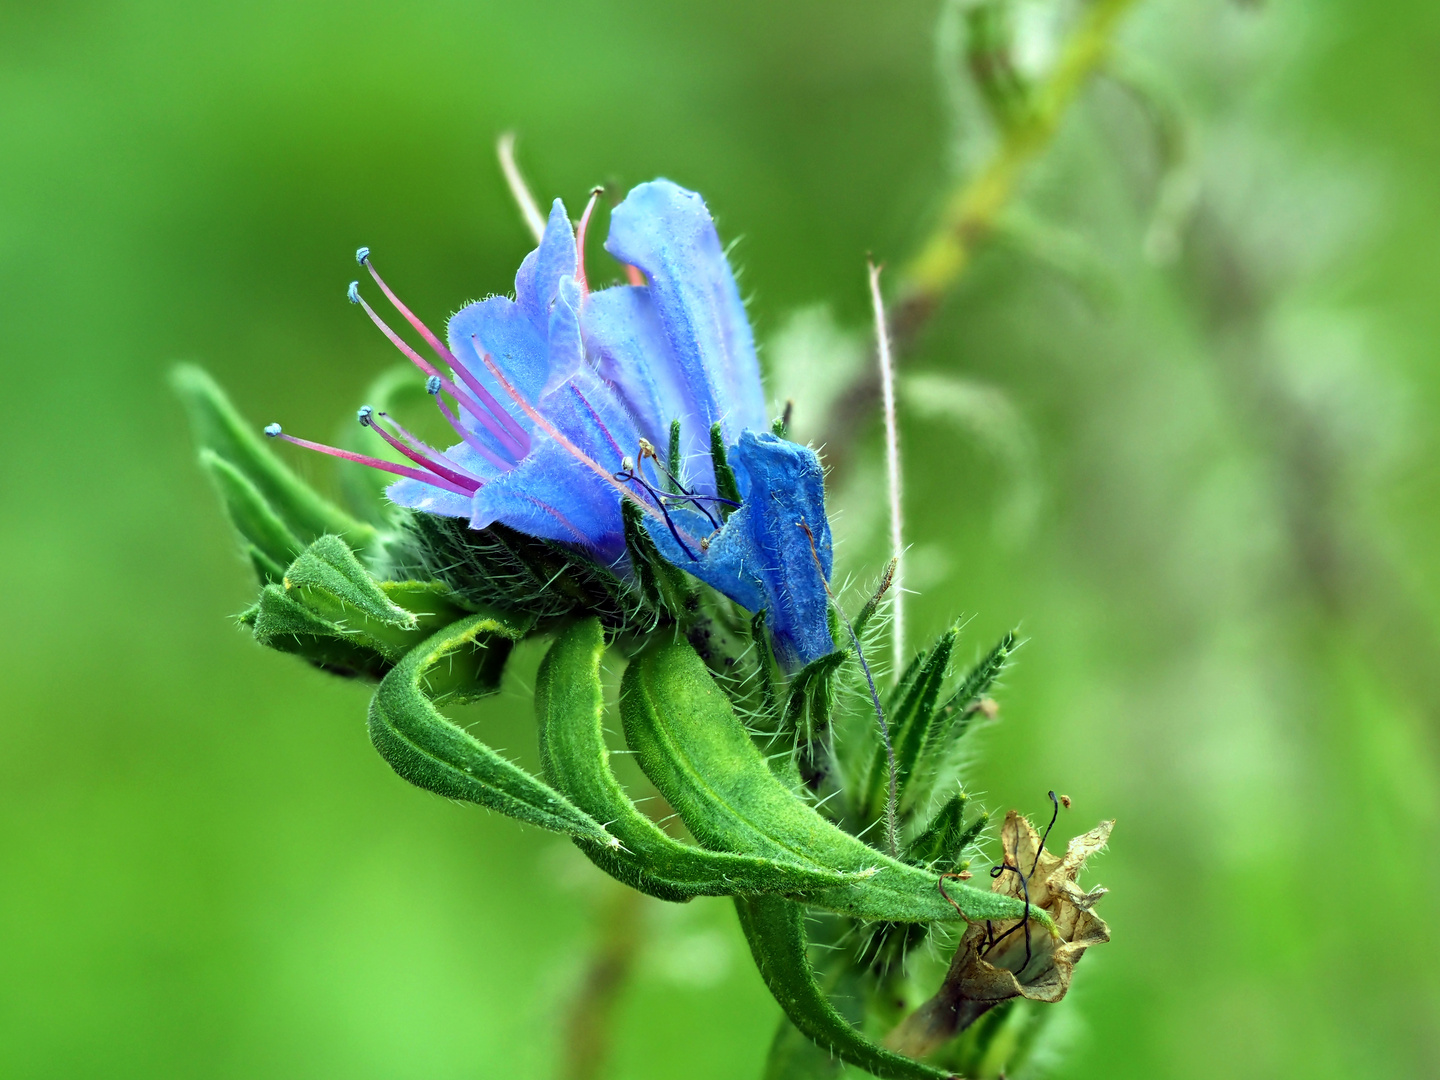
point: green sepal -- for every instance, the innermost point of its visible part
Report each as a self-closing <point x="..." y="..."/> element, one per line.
<point x="664" y="585"/>
<point x="725" y="485"/>
<point x="938" y="840"/>
<point x="808" y="708"/>
<point x="861" y="622"/>
<point x="271" y="543"/>
<point x="281" y="622"/>
<point x="218" y="427"/>
<point x="775" y="929"/>
<point x="691" y="745"/>
<point x="497" y="567"/>
<point x="326" y="593"/>
<point x="434" y="753"/>
<point x="672" y="459"/>
<point x="569" y="706"/>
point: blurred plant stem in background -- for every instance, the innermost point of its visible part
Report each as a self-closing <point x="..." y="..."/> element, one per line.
<point x="1027" y="119"/>
<point x="590" y="1021"/>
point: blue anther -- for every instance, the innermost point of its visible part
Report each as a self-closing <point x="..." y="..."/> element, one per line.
<point x="272" y="430"/>
<point x="432" y="384"/>
<point x="363" y="414"/>
<point x="353" y="292"/>
<point x="361" y="255"/>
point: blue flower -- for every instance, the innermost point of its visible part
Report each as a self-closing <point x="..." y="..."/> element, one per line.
<point x="562" y="395"/>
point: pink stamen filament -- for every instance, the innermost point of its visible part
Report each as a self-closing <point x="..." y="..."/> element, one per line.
<point x="471" y="439"/>
<point x="580" y="241"/>
<point x="417" y="443"/>
<point x="466" y="401"/>
<point x="424" y="461"/>
<point x="550" y="429"/>
<point x="635" y="276"/>
<point x="519" y="438"/>
<point x="377" y="463"/>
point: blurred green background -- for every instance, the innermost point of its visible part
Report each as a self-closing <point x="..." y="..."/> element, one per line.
<point x="1205" y="485"/>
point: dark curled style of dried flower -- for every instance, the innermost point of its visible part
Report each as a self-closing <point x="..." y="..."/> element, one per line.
<point x="990" y="966"/>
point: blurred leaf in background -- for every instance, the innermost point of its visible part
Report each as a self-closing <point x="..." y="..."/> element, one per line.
<point x="1187" y="437"/>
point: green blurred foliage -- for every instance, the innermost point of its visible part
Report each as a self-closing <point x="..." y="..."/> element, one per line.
<point x="1226" y="571"/>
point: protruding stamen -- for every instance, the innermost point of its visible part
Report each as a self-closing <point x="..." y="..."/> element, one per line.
<point x="505" y="150"/>
<point x="273" y="430"/>
<point x="432" y="386"/>
<point x="425" y="448"/>
<point x="353" y="293"/>
<point x="361" y="254"/>
<point x="417" y="451"/>
<point x="550" y="429"/>
<point x="580" y="232"/>
<point x="470" y="405"/>
<point x="517" y="436"/>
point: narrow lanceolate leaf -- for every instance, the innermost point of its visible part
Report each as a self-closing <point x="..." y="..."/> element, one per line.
<point x="433" y="753"/>
<point x="808" y="709"/>
<point x="570" y="708"/>
<point x="252" y="516"/>
<point x="692" y="746"/>
<point x="775" y="928"/>
<point x="952" y="720"/>
<point x="910" y="713"/>
<point x="939" y="843"/>
<point x="220" y="429"/>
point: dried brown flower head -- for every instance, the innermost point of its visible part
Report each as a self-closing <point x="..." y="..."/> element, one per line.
<point x="999" y="961"/>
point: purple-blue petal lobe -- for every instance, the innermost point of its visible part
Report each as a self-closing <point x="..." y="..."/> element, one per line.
<point x="668" y="233"/>
<point x="762" y="557"/>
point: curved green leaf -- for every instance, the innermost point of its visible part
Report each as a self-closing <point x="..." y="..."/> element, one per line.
<point x="775" y="928"/>
<point x="570" y="709"/>
<point x="220" y="429"/>
<point x="252" y="516"/>
<point x="694" y="749"/>
<point x="433" y="753"/>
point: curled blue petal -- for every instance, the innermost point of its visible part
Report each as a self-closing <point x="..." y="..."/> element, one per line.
<point x="762" y="557"/>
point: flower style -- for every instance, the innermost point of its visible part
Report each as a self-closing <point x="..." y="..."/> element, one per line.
<point x="561" y="396"/>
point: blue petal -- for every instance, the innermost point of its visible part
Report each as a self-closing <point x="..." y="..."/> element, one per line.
<point x="627" y="344"/>
<point x="667" y="232"/>
<point x="541" y="271"/>
<point x="554" y="495"/>
<point x="417" y="496"/>
<point x="515" y="332"/>
<point x="762" y="558"/>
